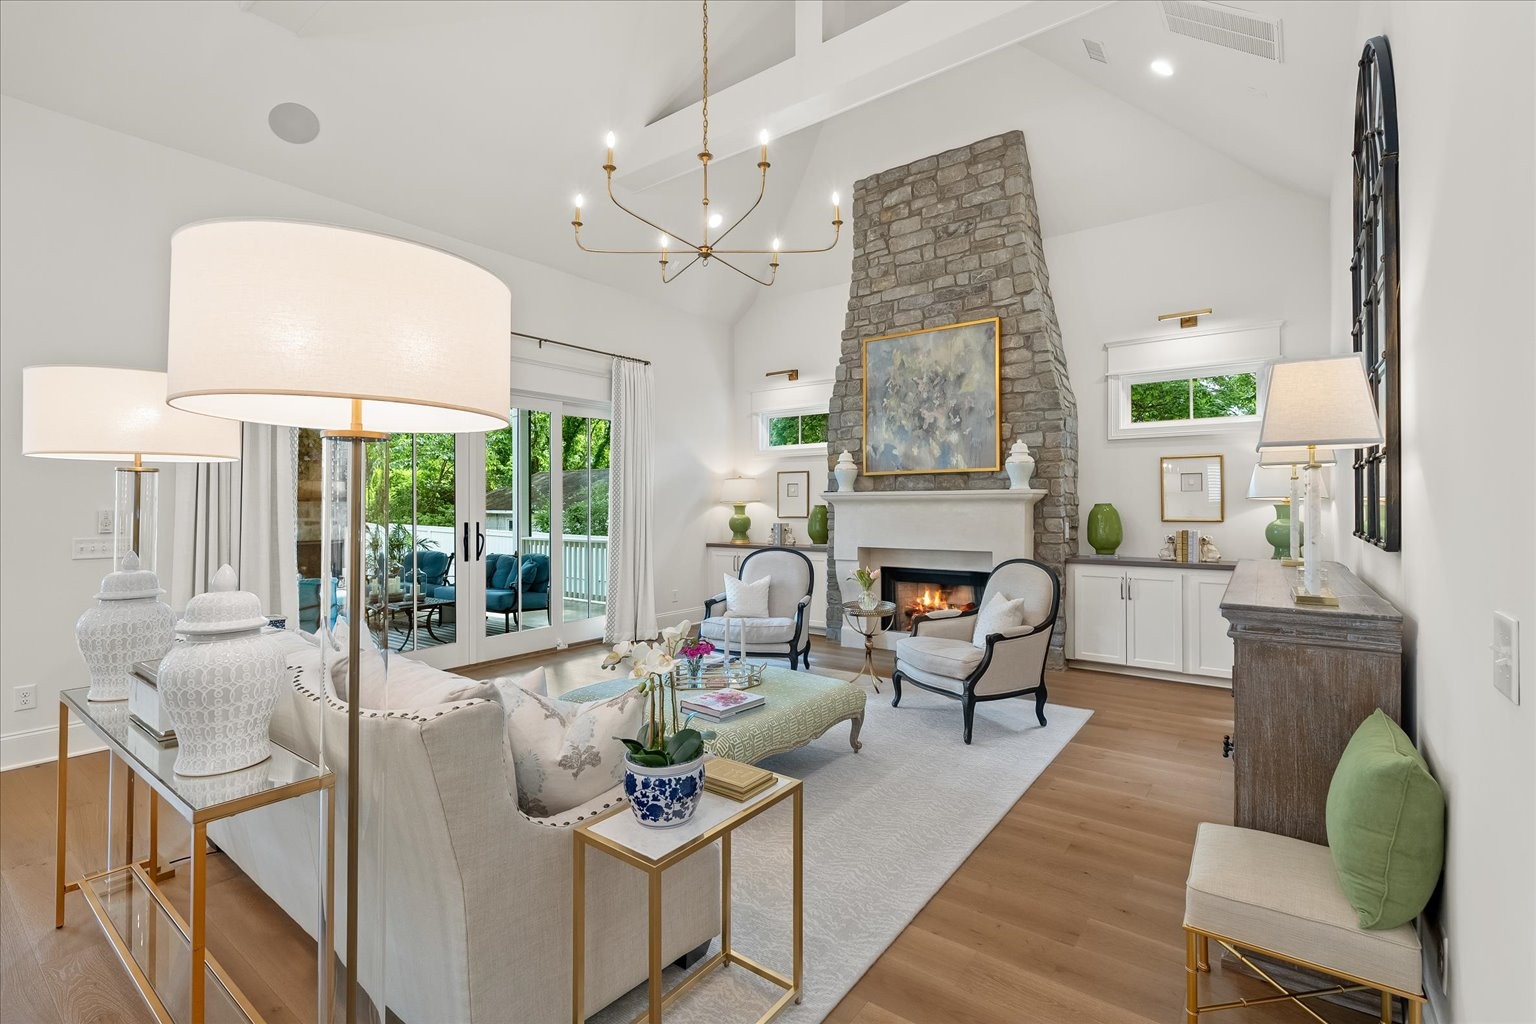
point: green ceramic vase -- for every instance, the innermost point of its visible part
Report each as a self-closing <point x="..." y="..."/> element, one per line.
<point x="816" y="526"/>
<point x="1104" y="530"/>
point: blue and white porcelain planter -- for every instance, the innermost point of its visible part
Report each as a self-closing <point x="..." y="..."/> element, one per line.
<point x="664" y="797"/>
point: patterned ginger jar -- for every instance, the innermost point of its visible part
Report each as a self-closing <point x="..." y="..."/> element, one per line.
<point x="221" y="686"/>
<point x="128" y="624"/>
<point x="664" y="797"/>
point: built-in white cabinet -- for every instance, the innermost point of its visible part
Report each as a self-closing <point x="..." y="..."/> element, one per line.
<point x="1163" y="619"/>
<point x="725" y="560"/>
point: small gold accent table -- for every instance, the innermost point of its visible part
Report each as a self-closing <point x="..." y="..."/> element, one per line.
<point x="154" y="942"/>
<point x="653" y="850"/>
<point x="869" y="623"/>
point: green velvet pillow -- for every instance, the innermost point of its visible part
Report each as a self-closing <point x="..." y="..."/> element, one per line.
<point x="1386" y="825"/>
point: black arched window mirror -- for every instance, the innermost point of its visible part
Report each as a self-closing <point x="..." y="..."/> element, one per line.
<point x="1374" y="273"/>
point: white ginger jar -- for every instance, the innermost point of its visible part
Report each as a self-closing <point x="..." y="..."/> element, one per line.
<point x="845" y="471"/>
<point x="1020" y="466"/>
<point x="221" y="686"/>
<point x="129" y="623"/>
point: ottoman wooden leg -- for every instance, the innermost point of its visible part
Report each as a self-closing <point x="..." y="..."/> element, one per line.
<point x="1192" y="976"/>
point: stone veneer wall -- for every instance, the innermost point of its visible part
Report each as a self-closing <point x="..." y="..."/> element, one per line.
<point x="943" y="240"/>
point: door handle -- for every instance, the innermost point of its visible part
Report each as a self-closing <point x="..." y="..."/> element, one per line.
<point x="479" y="542"/>
<point x="466" y="541"/>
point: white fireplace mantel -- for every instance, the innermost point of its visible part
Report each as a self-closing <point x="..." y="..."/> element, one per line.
<point x="972" y="530"/>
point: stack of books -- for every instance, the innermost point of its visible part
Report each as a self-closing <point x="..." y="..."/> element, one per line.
<point x="735" y="780"/>
<point x="719" y="705"/>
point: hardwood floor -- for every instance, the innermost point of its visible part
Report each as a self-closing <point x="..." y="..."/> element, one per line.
<point x="1069" y="911"/>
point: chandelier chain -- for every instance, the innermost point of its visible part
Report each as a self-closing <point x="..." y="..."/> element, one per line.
<point x="706" y="76"/>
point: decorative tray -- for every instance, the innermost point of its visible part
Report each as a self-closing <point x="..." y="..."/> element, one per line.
<point x="741" y="674"/>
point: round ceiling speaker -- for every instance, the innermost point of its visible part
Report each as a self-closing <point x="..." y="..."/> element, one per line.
<point x="294" y="122"/>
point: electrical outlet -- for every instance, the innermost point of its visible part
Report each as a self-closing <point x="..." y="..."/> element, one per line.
<point x="1506" y="656"/>
<point x="91" y="547"/>
<point x="24" y="698"/>
<point x="103" y="520"/>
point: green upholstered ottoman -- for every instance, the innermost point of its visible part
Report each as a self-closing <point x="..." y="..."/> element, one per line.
<point x="799" y="708"/>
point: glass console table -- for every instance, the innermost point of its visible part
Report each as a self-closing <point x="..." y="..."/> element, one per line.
<point x="164" y="953"/>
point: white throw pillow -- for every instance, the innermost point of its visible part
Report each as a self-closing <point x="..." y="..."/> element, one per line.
<point x="406" y="685"/>
<point x="997" y="615"/>
<point x="747" y="599"/>
<point x="565" y="753"/>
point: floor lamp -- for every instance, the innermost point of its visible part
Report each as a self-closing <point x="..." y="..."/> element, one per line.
<point x="353" y="333"/>
<point x="109" y="414"/>
<point x="1317" y="404"/>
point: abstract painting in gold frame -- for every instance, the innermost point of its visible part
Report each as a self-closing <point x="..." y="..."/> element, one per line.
<point x="932" y="400"/>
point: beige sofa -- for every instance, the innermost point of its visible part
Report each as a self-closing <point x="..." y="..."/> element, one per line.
<point x="465" y="903"/>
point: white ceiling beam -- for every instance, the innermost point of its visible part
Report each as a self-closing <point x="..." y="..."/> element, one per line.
<point x="907" y="44"/>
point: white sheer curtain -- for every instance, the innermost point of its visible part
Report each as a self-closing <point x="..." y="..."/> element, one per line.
<point x="244" y="513"/>
<point x="631" y="575"/>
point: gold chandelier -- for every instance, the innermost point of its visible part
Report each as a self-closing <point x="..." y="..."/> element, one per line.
<point x="705" y="249"/>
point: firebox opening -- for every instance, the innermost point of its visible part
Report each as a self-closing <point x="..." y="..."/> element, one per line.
<point x="918" y="591"/>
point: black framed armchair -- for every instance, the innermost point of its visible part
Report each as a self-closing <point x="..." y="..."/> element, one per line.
<point x="941" y="655"/>
<point x="784" y="632"/>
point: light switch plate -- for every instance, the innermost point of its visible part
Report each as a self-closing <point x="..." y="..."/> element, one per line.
<point x="103" y="520"/>
<point x="91" y="547"/>
<point x="1506" y="656"/>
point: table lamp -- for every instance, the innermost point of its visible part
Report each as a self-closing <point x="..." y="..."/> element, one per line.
<point x="109" y="414"/>
<point x="737" y="491"/>
<point x="1312" y="404"/>
<point x="1277" y="479"/>
<point x="355" y="333"/>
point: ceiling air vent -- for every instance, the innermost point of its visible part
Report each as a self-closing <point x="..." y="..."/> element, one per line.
<point x="1095" y="50"/>
<point x="1225" y="26"/>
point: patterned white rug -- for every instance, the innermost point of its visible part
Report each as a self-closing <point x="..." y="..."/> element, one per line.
<point x="884" y="829"/>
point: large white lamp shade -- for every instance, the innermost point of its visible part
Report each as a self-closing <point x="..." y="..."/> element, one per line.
<point x="110" y="414"/>
<point x="291" y="323"/>
<point x="1324" y="403"/>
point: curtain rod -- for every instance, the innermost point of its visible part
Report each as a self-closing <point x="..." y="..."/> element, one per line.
<point x="580" y="348"/>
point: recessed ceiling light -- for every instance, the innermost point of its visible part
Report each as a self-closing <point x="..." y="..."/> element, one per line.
<point x="1162" y="68"/>
<point x="294" y="122"/>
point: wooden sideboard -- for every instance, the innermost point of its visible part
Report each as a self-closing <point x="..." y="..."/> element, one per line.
<point x="1303" y="680"/>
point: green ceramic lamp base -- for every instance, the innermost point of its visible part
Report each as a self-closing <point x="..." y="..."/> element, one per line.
<point x="740" y="524"/>
<point x="1278" y="533"/>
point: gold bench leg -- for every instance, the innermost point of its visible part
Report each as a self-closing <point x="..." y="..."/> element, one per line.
<point x="1415" y="1012"/>
<point x="1203" y="961"/>
<point x="1386" y="1008"/>
<point x="1192" y="943"/>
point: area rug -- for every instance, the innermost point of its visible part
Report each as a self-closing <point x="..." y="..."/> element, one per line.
<point x="884" y="829"/>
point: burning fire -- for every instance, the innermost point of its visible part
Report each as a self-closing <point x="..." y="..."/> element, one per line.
<point x="929" y="600"/>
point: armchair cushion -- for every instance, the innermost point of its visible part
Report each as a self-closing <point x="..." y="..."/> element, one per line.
<point x="954" y="659"/>
<point x="998" y="614"/>
<point x="749" y="599"/>
<point x="564" y="753"/>
<point x="506" y="573"/>
<point x="767" y="630"/>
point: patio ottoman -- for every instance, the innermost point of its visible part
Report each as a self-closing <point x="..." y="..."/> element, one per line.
<point x="799" y="708"/>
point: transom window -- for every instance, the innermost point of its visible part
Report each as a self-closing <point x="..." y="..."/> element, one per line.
<point x="1189" y="399"/>
<point x="1194" y="382"/>
<point x="795" y="430"/>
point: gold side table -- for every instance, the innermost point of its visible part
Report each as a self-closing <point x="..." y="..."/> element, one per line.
<point x="155" y="943"/>
<point x="869" y="623"/>
<point x="653" y="850"/>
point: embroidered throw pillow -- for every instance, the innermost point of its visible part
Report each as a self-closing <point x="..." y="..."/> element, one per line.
<point x="747" y="599"/>
<point x="564" y="752"/>
<point x="997" y="615"/>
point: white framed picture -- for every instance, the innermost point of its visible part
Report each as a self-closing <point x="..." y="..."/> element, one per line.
<point x="794" y="494"/>
<point x="1193" y="489"/>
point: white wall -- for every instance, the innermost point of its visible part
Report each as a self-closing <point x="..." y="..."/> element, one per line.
<point x="84" y="257"/>
<point x="1255" y="259"/>
<point x="1466" y="104"/>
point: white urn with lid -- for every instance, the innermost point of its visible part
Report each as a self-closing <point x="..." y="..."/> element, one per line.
<point x="221" y="686"/>
<point x="129" y="623"/>
<point x="845" y="471"/>
<point x="1020" y="466"/>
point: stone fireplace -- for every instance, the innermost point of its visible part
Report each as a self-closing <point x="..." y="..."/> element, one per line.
<point x="946" y="239"/>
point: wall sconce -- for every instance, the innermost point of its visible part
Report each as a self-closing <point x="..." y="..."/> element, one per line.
<point x="1188" y="318"/>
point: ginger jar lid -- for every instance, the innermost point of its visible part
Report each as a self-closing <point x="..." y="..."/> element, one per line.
<point x="223" y="609"/>
<point x="1019" y="452"/>
<point x="129" y="583"/>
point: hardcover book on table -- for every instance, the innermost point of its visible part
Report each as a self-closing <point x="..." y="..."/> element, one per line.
<point x="721" y="704"/>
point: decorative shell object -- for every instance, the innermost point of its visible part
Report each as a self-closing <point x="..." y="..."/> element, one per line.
<point x="1020" y="466"/>
<point x="845" y="471"/>
<point x="221" y="686"/>
<point x="129" y="623"/>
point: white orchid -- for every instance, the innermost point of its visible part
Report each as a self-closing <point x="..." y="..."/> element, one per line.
<point x="619" y="652"/>
<point x="672" y="635"/>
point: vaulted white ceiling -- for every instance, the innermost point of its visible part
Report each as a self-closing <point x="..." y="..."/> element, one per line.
<point x="481" y="120"/>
